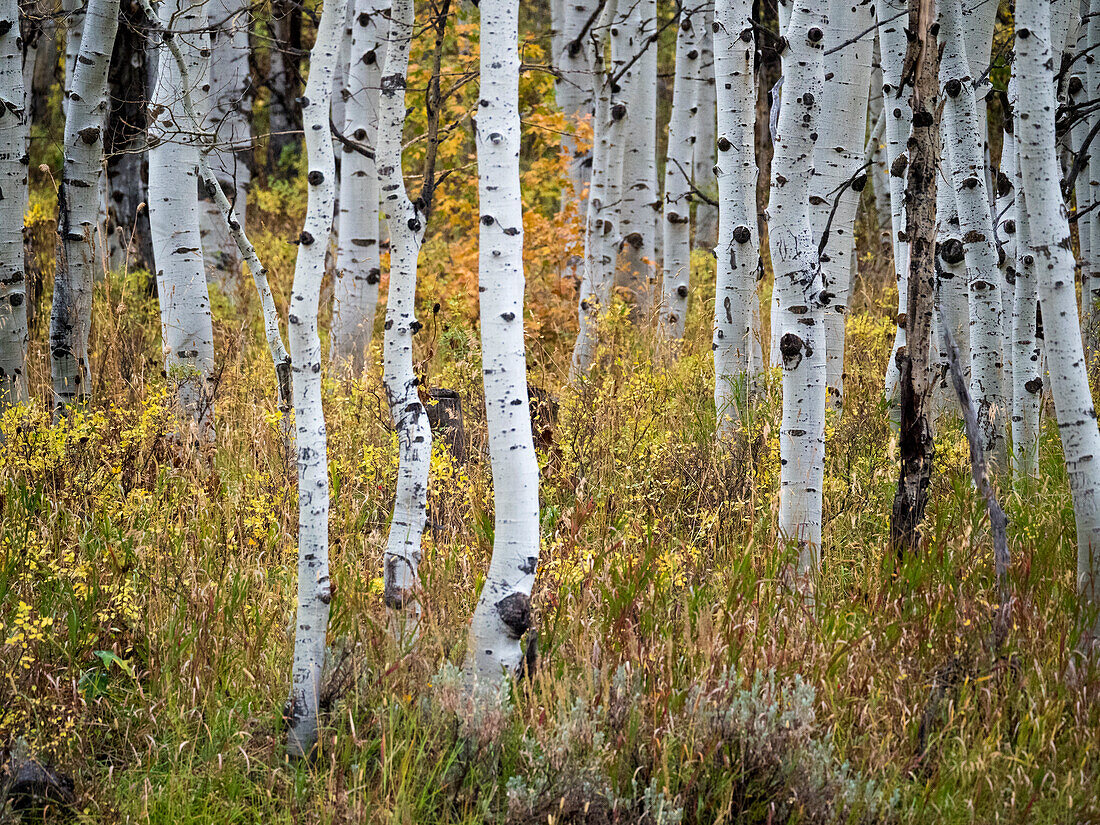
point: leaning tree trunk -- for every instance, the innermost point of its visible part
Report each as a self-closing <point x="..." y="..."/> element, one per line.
<point x="677" y="204"/>
<point x="78" y="207"/>
<point x="358" y="265"/>
<point x="1054" y="264"/>
<point x="406" y="224"/>
<point x="601" y="231"/>
<point x="229" y="119"/>
<point x="186" y="325"/>
<point x="314" y="585"/>
<point x="801" y="318"/>
<point x="916" y="442"/>
<point x="838" y="171"/>
<point x="13" y="181"/>
<point x="965" y="144"/>
<point x="738" y="248"/>
<point x="634" y="59"/>
<point x="503" y="611"/>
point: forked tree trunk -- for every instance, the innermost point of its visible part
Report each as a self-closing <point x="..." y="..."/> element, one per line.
<point x="1054" y="264"/>
<point x="503" y="611"/>
<point x="838" y="174"/>
<point x="682" y="124"/>
<point x="314" y="585"/>
<point x="738" y="251"/>
<point x="358" y="264"/>
<point x="13" y="181"/>
<point x="78" y="207"/>
<point x="801" y="318"/>
<point x="186" y="325"/>
<point x="406" y="223"/>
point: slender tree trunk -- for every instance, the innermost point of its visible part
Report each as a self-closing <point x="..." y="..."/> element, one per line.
<point x="677" y="204"/>
<point x="1090" y="228"/>
<point x="738" y="252"/>
<point x="73" y="12"/>
<point x="229" y="120"/>
<point x="78" y="207"/>
<point x="631" y="36"/>
<point x="801" y="319"/>
<point x="704" y="155"/>
<point x="503" y="611"/>
<point x="838" y="171"/>
<point x="1049" y="230"/>
<point x="314" y="585"/>
<point x="358" y="265"/>
<point x="1027" y="358"/>
<point x="965" y="143"/>
<point x="880" y="172"/>
<point x="13" y="181"/>
<point x="406" y="223"/>
<point x="186" y="325"/>
<point x="284" y="77"/>
<point x="1004" y="215"/>
<point x="916" y="443"/>
<point x="573" y="86"/>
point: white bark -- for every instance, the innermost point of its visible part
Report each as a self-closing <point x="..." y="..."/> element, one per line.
<point x="677" y="204"/>
<point x="358" y="264"/>
<point x="736" y="306"/>
<point x="880" y="174"/>
<point x="314" y="586"/>
<point x="801" y="319"/>
<point x="1050" y="238"/>
<point x="899" y="122"/>
<point x="573" y="86"/>
<point x="631" y="34"/>
<point x="1004" y="212"/>
<point x="78" y="206"/>
<point x="186" y="326"/>
<point x="406" y="225"/>
<point x="704" y="156"/>
<point x="601" y="231"/>
<point x="1027" y="361"/>
<point x="503" y="610"/>
<point x="838" y="176"/>
<point x="1091" y="226"/>
<point x="13" y="182"/>
<point x="964" y="141"/>
<point x="73" y="12"/>
<point x="229" y="120"/>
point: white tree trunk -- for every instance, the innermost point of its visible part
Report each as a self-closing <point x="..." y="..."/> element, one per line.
<point x="314" y="586"/>
<point x="1004" y="213"/>
<point x="736" y="306"/>
<point x="78" y="206"/>
<point x="880" y="173"/>
<point x="704" y="156"/>
<point x="13" y="183"/>
<point x="186" y="326"/>
<point x="631" y="35"/>
<point x="838" y="176"/>
<point x="899" y="122"/>
<point x="1050" y="238"/>
<point x="801" y="319"/>
<point x="503" y="611"/>
<point x="964" y="141"/>
<point x="73" y="12"/>
<point x="229" y="120"/>
<point x="1027" y="360"/>
<point x="1090" y="228"/>
<point x="601" y="233"/>
<point x="682" y="124"/>
<point x="573" y="85"/>
<point x="406" y="225"/>
<point x="358" y="264"/>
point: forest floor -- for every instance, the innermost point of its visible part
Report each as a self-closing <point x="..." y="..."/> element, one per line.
<point x="147" y="594"/>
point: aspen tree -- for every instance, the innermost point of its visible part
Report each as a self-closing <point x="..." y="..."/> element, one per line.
<point x="13" y="181"/>
<point x="1004" y="214"/>
<point x="964" y="143"/>
<point x="185" y="321"/>
<point x="677" y="204"/>
<point x="1091" y="227"/>
<point x="838" y="169"/>
<point x="314" y="585"/>
<point x="229" y="120"/>
<point x="78" y="206"/>
<point x="738" y="251"/>
<point x="1079" y="95"/>
<point x="1027" y="349"/>
<point x="503" y="611"/>
<point x="801" y="299"/>
<point x="1054" y="265"/>
<point x="573" y="88"/>
<point x="634" y="60"/>
<point x="358" y="263"/>
<point x="406" y="222"/>
<point x="704" y="151"/>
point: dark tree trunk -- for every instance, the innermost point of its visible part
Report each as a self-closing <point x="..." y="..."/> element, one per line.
<point x="916" y="446"/>
<point x="284" y="79"/>
<point x="39" y="32"/>
<point x="129" y="239"/>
